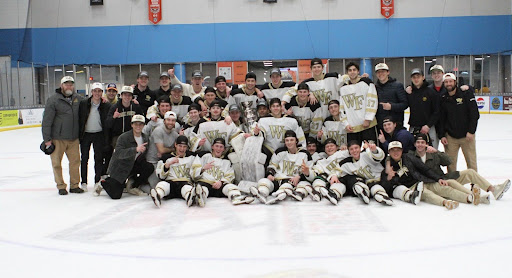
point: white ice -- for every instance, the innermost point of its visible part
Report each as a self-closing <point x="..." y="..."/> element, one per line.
<point x="43" y="234"/>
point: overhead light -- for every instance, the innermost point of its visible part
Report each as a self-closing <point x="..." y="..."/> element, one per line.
<point x="434" y="59"/>
<point x="411" y="60"/>
<point x="488" y="56"/>
<point x="267" y="63"/>
<point x="428" y="62"/>
<point x="80" y="71"/>
<point x="58" y="69"/>
<point x="478" y="58"/>
<point x="70" y="71"/>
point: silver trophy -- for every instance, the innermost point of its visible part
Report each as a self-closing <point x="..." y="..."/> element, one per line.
<point x="251" y="117"/>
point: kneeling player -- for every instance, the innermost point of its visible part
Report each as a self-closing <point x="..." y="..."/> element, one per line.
<point x="366" y="165"/>
<point x="288" y="172"/>
<point x="215" y="176"/>
<point x="328" y="172"/>
<point x="175" y="173"/>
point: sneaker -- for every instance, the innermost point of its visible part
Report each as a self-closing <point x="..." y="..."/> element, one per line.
<point x="361" y="193"/>
<point x="449" y="204"/>
<point x="97" y="189"/>
<point x="475" y="191"/>
<point x="84" y="186"/>
<point x="254" y="191"/>
<point x="201" y="195"/>
<point x="76" y="190"/>
<point x="330" y="195"/>
<point x="157" y="199"/>
<point x="63" y="192"/>
<point x="500" y="189"/>
<point x="485" y="199"/>
<point x="383" y="199"/>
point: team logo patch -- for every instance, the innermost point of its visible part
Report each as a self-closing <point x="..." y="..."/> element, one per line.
<point x="458" y="100"/>
<point x="424" y="98"/>
<point x="496" y="103"/>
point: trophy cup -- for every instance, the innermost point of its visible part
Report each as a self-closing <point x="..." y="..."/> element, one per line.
<point x="251" y="118"/>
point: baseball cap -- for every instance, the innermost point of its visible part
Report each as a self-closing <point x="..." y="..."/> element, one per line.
<point x="177" y="87"/>
<point x="194" y="106"/>
<point x="96" y="85"/>
<point x="67" y="79"/>
<point x="233" y="107"/>
<point x="216" y="103"/>
<point x="111" y="86"/>
<point x="394" y="144"/>
<point x="166" y="74"/>
<point x="290" y="133"/>
<point x="262" y="102"/>
<point x="127" y="89"/>
<point x="143" y="73"/>
<point x="182" y="139"/>
<point x="449" y="76"/>
<point x="436" y="67"/>
<point x="138" y="118"/>
<point x="381" y="66"/>
<point x="422" y="136"/>
<point x="275" y="70"/>
<point x="219" y="140"/>
<point x="416" y="71"/>
<point x="330" y="141"/>
<point x="170" y="114"/>
<point x="197" y="73"/>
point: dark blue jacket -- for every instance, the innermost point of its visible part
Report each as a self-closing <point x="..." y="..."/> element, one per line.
<point x="403" y="136"/>
<point x="394" y="93"/>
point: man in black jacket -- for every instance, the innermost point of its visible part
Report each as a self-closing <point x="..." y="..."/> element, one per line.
<point x="92" y="117"/>
<point x="392" y="96"/>
<point x="459" y="119"/>
<point x="144" y="96"/>
<point x="424" y="107"/>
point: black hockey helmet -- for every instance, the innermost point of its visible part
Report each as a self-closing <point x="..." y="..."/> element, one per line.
<point x="47" y="149"/>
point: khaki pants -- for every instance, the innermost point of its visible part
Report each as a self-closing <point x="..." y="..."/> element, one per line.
<point x="471" y="176"/>
<point x="441" y="192"/>
<point x="71" y="148"/>
<point x="468" y="149"/>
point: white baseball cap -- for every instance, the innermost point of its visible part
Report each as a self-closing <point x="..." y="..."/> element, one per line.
<point x="138" y="118"/>
<point x="170" y="114"/>
<point x="394" y="144"/>
<point x="436" y="67"/>
<point x="381" y="66"/>
<point x="127" y="89"/>
<point x="449" y="76"/>
<point x="97" y="85"/>
<point x="67" y="79"/>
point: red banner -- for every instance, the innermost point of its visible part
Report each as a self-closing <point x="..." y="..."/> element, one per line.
<point x="387" y="8"/>
<point x="155" y="11"/>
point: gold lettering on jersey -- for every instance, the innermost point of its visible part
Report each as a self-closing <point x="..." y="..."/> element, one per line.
<point x="181" y="171"/>
<point x="288" y="167"/>
<point x="215" y="172"/>
<point x="351" y="100"/>
<point x="214" y="134"/>
<point x="332" y="166"/>
<point x="402" y="171"/>
<point x="336" y="135"/>
<point x="322" y="96"/>
<point x="365" y="172"/>
<point x="276" y="131"/>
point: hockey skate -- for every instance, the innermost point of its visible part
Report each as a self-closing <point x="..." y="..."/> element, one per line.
<point x="201" y="195"/>
<point x="500" y="189"/>
<point x="190" y="197"/>
<point x="383" y="199"/>
<point x="415" y="196"/>
<point x="241" y="199"/>
<point x="475" y="191"/>
<point x="362" y="193"/>
<point x="156" y="196"/>
<point x="297" y="195"/>
<point x="330" y="195"/>
<point x="97" y="189"/>
<point x="276" y="198"/>
<point x="255" y="193"/>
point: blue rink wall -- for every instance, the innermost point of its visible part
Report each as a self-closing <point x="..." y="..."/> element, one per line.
<point x="400" y="37"/>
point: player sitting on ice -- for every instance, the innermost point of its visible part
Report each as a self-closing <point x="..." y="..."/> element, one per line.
<point x="366" y="165"/>
<point x="328" y="173"/>
<point x="434" y="159"/>
<point x="287" y="174"/>
<point x="214" y="176"/>
<point x="175" y="175"/>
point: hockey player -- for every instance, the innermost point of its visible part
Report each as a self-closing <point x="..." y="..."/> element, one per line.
<point x="246" y="94"/>
<point x="312" y="147"/>
<point x="274" y="127"/>
<point x="407" y="178"/>
<point x="308" y="115"/>
<point x="434" y="159"/>
<point x="366" y="165"/>
<point x="289" y="173"/>
<point x="332" y="126"/>
<point x="179" y="102"/>
<point x="155" y="114"/>
<point x="175" y="173"/>
<point x="276" y="88"/>
<point x="262" y="108"/>
<point x="165" y="85"/>
<point x="358" y="106"/>
<point x="142" y="94"/>
<point x="215" y="176"/>
<point x="328" y="173"/>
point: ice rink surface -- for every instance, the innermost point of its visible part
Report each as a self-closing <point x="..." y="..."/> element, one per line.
<point x="43" y="234"/>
